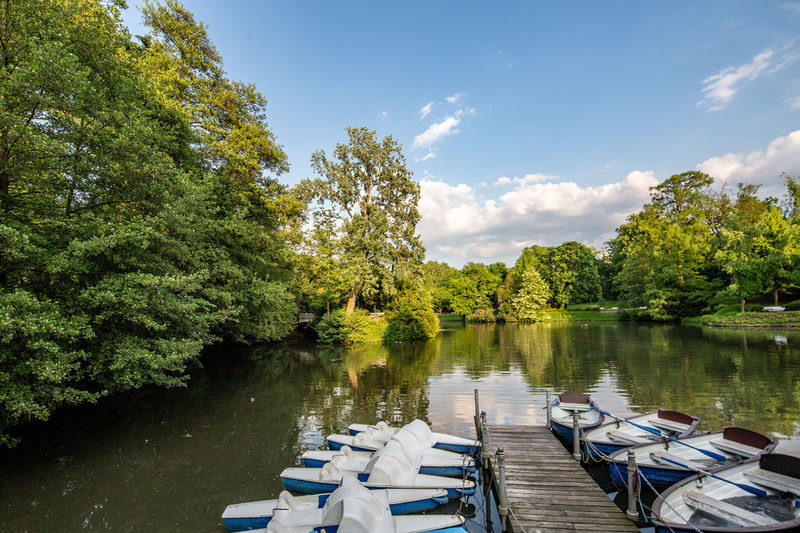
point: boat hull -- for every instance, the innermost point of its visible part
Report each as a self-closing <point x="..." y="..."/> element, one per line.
<point x="245" y="523"/>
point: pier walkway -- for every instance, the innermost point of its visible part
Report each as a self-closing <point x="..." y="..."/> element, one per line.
<point x="548" y="491"/>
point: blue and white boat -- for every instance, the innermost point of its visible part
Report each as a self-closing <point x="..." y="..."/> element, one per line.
<point x="611" y="437"/>
<point x="433" y="461"/>
<point x="414" y="436"/>
<point x="389" y="468"/>
<point x="255" y="515"/>
<point x="565" y="405"/>
<point x="353" y="509"/>
<point x="708" y="452"/>
<point x="760" y="494"/>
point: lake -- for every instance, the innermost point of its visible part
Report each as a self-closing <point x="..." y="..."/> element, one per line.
<point x="172" y="460"/>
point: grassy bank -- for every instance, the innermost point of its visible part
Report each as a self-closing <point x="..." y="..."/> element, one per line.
<point x="785" y="319"/>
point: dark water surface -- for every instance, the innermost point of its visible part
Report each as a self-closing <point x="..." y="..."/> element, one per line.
<point x="172" y="460"/>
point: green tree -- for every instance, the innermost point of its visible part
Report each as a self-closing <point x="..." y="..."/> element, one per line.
<point x="437" y="282"/>
<point x="368" y="189"/>
<point x="667" y="248"/>
<point x="531" y="300"/>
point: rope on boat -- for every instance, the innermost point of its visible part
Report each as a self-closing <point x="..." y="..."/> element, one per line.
<point x="658" y="495"/>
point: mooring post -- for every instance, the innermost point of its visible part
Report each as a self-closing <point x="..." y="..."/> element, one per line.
<point x="576" y="434"/>
<point x="484" y="442"/>
<point x="502" y="505"/>
<point x="547" y="403"/>
<point x="478" y="416"/>
<point x="633" y="487"/>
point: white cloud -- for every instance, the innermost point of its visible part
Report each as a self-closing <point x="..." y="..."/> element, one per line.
<point x="525" y="180"/>
<point x="722" y="87"/>
<point x="384" y="114"/>
<point x="758" y="167"/>
<point x="437" y="131"/>
<point x="430" y="155"/>
<point x="426" y="110"/>
<point x="455" y="98"/>
<point x="456" y="226"/>
<point x="795" y="103"/>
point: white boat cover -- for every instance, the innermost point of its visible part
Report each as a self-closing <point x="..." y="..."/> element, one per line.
<point x="353" y="507"/>
<point x="414" y="436"/>
<point x="392" y="466"/>
<point x="287" y="501"/>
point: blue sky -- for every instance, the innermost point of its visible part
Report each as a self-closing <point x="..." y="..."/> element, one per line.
<point x="527" y="122"/>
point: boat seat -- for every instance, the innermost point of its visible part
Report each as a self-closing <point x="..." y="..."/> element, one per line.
<point x="575" y="406"/>
<point x="669" y="425"/>
<point x="734" y="447"/>
<point x="775" y="481"/>
<point x="664" y="457"/>
<point x="617" y="435"/>
<point x="719" y="508"/>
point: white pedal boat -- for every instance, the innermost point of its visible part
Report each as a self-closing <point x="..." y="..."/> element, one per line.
<point x="255" y="515"/>
<point x="434" y="461"/>
<point x="757" y="495"/>
<point x="390" y="468"/>
<point x="354" y="509"/>
<point x="416" y="435"/>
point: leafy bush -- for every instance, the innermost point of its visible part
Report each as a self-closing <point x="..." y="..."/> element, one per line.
<point x="412" y="318"/>
<point x="339" y="328"/>
<point x="481" y="315"/>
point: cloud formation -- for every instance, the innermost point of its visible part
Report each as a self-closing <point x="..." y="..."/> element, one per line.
<point x="436" y="131"/>
<point x="426" y="110"/>
<point x="456" y="98"/>
<point x="722" y="87"/>
<point x="456" y="226"/>
<point x="759" y="167"/>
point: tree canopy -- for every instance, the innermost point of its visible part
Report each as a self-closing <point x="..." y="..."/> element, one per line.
<point x="368" y="201"/>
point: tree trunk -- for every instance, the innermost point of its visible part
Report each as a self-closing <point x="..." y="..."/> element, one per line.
<point x="742" y="305"/>
<point x="351" y="303"/>
<point x="776" y="296"/>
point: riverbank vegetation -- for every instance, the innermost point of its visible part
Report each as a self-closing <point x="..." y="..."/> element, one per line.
<point x="143" y="219"/>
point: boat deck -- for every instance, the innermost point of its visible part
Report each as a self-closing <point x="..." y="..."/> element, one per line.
<point x="548" y="491"/>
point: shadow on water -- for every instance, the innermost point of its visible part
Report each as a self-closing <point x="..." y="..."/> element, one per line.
<point x="174" y="459"/>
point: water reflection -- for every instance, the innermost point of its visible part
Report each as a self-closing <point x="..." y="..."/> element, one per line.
<point x="174" y="459"/>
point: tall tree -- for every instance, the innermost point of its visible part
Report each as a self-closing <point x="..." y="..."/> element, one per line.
<point x="368" y="189"/>
<point x="531" y="300"/>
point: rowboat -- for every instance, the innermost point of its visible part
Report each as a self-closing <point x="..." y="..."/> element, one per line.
<point x="390" y="468"/>
<point x="255" y="515"/>
<point x="565" y="405"/>
<point x="760" y="494"/>
<point x="414" y="436"/>
<point x="433" y="461"/>
<point x="708" y="452"/>
<point x="354" y="509"/>
<point x="611" y="437"/>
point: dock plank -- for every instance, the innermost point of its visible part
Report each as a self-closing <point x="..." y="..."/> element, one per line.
<point x="547" y="489"/>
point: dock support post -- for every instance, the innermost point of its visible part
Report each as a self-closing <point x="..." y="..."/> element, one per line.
<point x="502" y="506"/>
<point x="633" y="487"/>
<point x="477" y="416"/>
<point x="485" y="453"/>
<point x="576" y="435"/>
<point x="549" y="413"/>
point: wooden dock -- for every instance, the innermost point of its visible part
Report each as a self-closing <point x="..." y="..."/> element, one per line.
<point x="548" y="491"/>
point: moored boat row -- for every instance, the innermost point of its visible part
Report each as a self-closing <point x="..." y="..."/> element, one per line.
<point x="359" y="491"/>
<point x="720" y="481"/>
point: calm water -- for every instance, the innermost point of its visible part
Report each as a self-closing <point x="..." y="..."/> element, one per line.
<point x="172" y="460"/>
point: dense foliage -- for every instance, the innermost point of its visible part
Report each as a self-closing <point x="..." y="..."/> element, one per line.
<point x="138" y="220"/>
